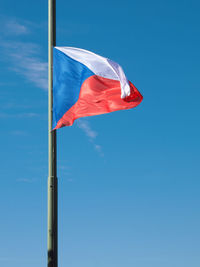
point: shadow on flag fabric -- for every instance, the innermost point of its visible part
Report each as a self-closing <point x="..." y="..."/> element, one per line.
<point x="86" y="84"/>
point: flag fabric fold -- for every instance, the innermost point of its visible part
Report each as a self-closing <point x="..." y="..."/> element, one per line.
<point x="86" y="84"/>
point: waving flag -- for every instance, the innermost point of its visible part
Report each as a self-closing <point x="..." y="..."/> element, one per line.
<point x="86" y="84"/>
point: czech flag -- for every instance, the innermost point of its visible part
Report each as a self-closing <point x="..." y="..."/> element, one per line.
<point x="86" y="84"/>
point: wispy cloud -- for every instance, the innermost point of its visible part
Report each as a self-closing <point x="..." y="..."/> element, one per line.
<point x="85" y="126"/>
<point x="25" y="57"/>
<point x="22" y="259"/>
<point x="63" y="167"/>
<point x="13" y="27"/>
<point x="25" y="60"/>
<point x="25" y="180"/>
<point x="18" y="115"/>
<point x="19" y="133"/>
<point x="16" y="105"/>
<point x="98" y="148"/>
<point x="3" y="84"/>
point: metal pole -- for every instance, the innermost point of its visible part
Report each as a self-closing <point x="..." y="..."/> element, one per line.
<point x="52" y="234"/>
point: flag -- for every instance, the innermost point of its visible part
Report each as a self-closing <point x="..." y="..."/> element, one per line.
<point x="86" y="84"/>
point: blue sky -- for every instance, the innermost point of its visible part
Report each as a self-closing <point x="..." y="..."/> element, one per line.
<point x="128" y="181"/>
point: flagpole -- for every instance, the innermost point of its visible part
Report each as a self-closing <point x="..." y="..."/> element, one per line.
<point x="52" y="234"/>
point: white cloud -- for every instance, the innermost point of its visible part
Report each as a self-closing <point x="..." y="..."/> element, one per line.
<point x="15" y="104"/>
<point x="25" y="180"/>
<point x="18" y="115"/>
<point x="3" y="84"/>
<point x="13" y="27"/>
<point x="19" y="133"/>
<point x="63" y="168"/>
<point x="85" y="126"/>
<point x="24" y="57"/>
<point x="25" y="60"/>
<point x="98" y="148"/>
